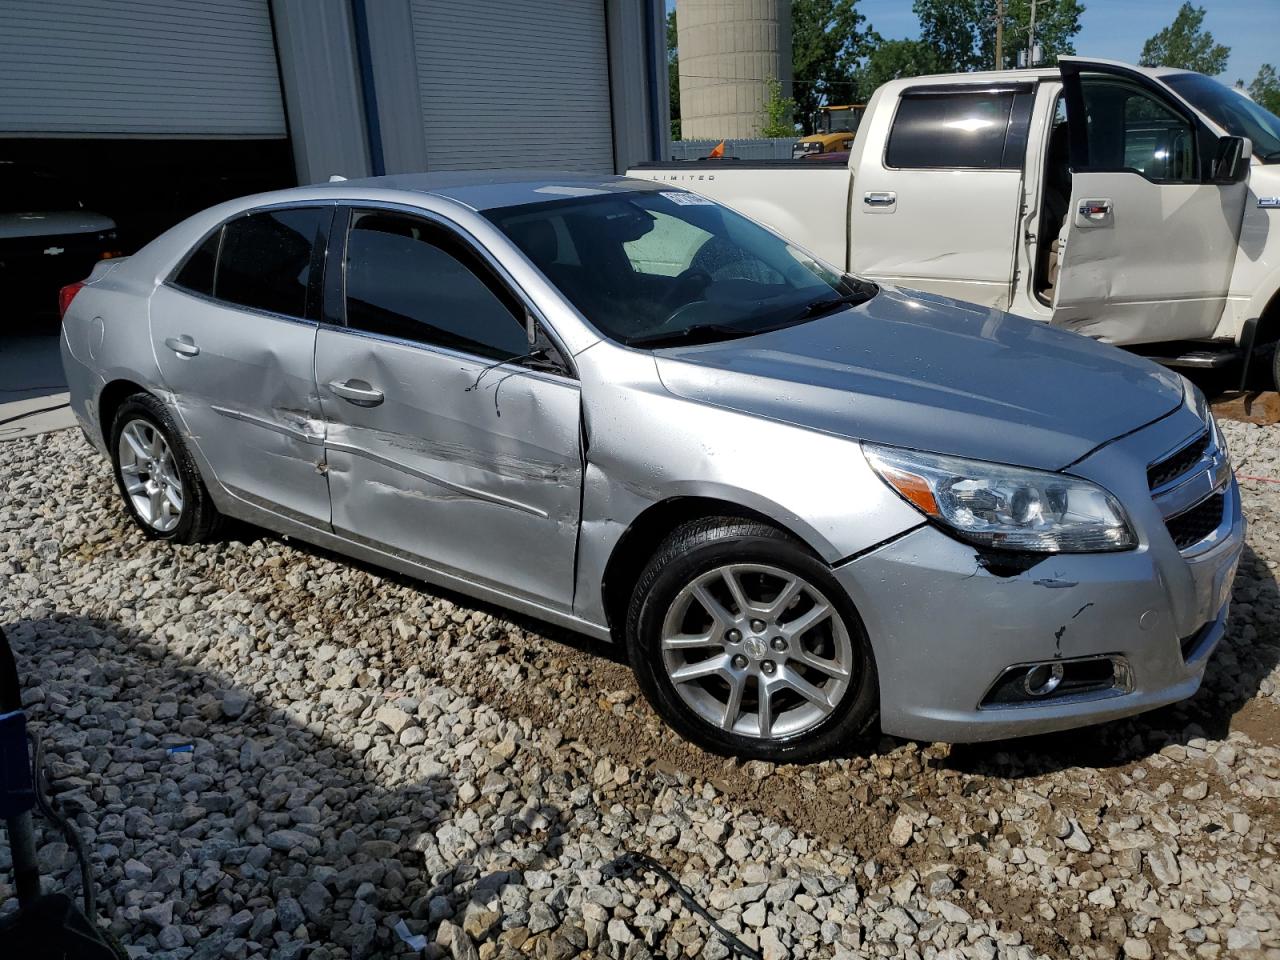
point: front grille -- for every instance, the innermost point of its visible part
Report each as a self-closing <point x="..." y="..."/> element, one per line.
<point x="1176" y="464"/>
<point x="1189" y="528"/>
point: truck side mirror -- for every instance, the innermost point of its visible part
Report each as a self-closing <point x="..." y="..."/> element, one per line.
<point x="1231" y="160"/>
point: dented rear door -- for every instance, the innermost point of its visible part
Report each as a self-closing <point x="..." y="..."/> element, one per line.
<point x="438" y="451"/>
<point x="237" y="353"/>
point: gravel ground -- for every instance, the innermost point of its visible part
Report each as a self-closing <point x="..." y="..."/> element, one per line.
<point x="365" y="750"/>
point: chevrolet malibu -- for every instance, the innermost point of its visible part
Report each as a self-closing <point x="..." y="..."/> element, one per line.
<point x="804" y="503"/>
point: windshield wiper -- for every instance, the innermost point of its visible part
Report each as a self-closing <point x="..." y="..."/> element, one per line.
<point x="698" y="333"/>
<point x="828" y="304"/>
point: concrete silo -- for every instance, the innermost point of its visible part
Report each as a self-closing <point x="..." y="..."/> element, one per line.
<point x="728" y="48"/>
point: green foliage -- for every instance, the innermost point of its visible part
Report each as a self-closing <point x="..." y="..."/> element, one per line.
<point x="673" y="74"/>
<point x="829" y="41"/>
<point x="962" y="33"/>
<point x="778" y="112"/>
<point x="1265" y="88"/>
<point x="1186" y="44"/>
<point x="894" y="59"/>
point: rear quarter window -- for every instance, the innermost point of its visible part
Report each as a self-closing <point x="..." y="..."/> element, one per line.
<point x="951" y="130"/>
<point x="196" y="274"/>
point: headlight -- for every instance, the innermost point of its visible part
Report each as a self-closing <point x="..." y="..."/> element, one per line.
<point x="1011" y="508"/>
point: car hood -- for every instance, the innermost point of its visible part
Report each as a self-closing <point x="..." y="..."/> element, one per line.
<point x="52" y="223"/>
<point x="927" y="372"/>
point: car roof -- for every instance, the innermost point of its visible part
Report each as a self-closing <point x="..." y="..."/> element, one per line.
<point x="490" y="189"/>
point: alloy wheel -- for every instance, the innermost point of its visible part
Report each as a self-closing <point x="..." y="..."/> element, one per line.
<point x="757" y="651"/>
<point x="150" y="474"/>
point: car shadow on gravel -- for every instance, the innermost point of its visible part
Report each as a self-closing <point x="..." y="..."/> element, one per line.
<point x="1246" y="656"/>
<point x="613" y="652"/>
<point x="245" y="817"/>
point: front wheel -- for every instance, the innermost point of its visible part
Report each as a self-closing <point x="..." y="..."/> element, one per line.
<point x="747" y="645"/>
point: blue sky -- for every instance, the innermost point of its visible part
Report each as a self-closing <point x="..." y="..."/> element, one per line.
<point x="1116" y="29"/>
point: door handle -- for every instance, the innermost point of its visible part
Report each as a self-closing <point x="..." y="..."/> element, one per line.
<point x="1095" y="210"/>
<point x="885" y="198"/>
<point x="357" y="391"/>
<point x="184" y="346"/>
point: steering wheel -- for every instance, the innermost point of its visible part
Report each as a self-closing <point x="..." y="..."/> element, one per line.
<point x="688" y="284"/>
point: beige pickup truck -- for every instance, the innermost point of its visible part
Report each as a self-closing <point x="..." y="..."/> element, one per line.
<point x="1153" y="224"/>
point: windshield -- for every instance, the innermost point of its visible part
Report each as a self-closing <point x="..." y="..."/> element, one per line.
<point x="1236" y="114"/>
<point x="650" y="267"/>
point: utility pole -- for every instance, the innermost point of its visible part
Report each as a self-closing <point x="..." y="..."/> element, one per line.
<point x="1031" y="37"/>
<point x="999" y="34"/>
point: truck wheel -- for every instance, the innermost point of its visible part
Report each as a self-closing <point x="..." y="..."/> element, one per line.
<point x="747" y="645"/>
<point x="156" y="475"/>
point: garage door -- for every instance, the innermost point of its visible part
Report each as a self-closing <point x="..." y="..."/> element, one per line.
<point x="138" y="68"/>
<point x="516" y="83"/>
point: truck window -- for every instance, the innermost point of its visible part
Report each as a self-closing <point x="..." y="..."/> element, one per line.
<point x="1129" y="128"/>
<point x="952" y="130"/>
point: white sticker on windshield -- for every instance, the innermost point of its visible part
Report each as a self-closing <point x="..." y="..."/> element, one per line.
<point x="688" y="199"/>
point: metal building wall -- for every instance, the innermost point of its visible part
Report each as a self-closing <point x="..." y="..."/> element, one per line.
<point x="138" y="68"/>
<point x="320" y="73"/>
<point x="728" y="50"/>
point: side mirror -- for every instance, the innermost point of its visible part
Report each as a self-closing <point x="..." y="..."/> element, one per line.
<point x="1231" y="160"/>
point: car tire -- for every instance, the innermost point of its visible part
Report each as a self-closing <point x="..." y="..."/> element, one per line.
<point x="156" y="475"/>
<point x="730" y="678"/>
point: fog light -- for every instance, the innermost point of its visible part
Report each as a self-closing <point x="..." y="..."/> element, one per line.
<point x="1043" y="679"/>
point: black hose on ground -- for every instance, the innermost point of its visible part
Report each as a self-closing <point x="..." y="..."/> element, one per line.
<point x="40" y="777"/>
<point x="631" y="863"/>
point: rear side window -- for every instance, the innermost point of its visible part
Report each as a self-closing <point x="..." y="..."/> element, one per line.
<point x="196" y="274"/>
<point x="410" y="279"/>
<point x="951" y="130"/>
<point x="266" y="260"/>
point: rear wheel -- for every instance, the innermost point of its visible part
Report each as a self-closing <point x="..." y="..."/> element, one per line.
<point x="156" y="475"/>
<point x="746" y="644"/>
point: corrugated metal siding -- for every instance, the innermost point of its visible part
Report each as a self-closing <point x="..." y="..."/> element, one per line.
<point x="514" y="83"/>
<point x="138" y="67"/>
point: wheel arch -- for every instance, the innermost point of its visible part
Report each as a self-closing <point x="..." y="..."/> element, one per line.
<point x="110" y="399"/>
<point x="647" y="531"/>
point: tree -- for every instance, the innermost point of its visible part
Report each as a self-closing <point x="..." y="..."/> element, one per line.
<point x="1186" y="44"/>
<point x="1265" y="89"/>
<point x="778" y="112"/>
<point x="673" y="73"/>
<point x="894" y="59"/>
<point x="962" y="33"/>
<point x="828" y="44"/>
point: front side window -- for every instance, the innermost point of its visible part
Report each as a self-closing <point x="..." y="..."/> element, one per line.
<point x="265" y="259"/>
<point x="1129" y="128"/>
<point x="410" y="279"/>
<point x="951" y="130"/>
<point x="649" y="267"/>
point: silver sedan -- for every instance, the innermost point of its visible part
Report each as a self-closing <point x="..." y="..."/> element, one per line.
<point x="804" y="503"/>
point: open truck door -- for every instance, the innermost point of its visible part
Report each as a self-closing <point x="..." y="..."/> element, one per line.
<point x="1157" y="199"/>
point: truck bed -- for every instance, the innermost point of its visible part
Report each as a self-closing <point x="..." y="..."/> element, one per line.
<point x="813" y="211"/>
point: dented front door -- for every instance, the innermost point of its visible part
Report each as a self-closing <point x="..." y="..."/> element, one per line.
<point x="1149" y="242"/>
<point x="450" y="460"/>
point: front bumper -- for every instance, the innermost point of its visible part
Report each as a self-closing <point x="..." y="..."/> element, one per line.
<point x="943" y="628"/>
